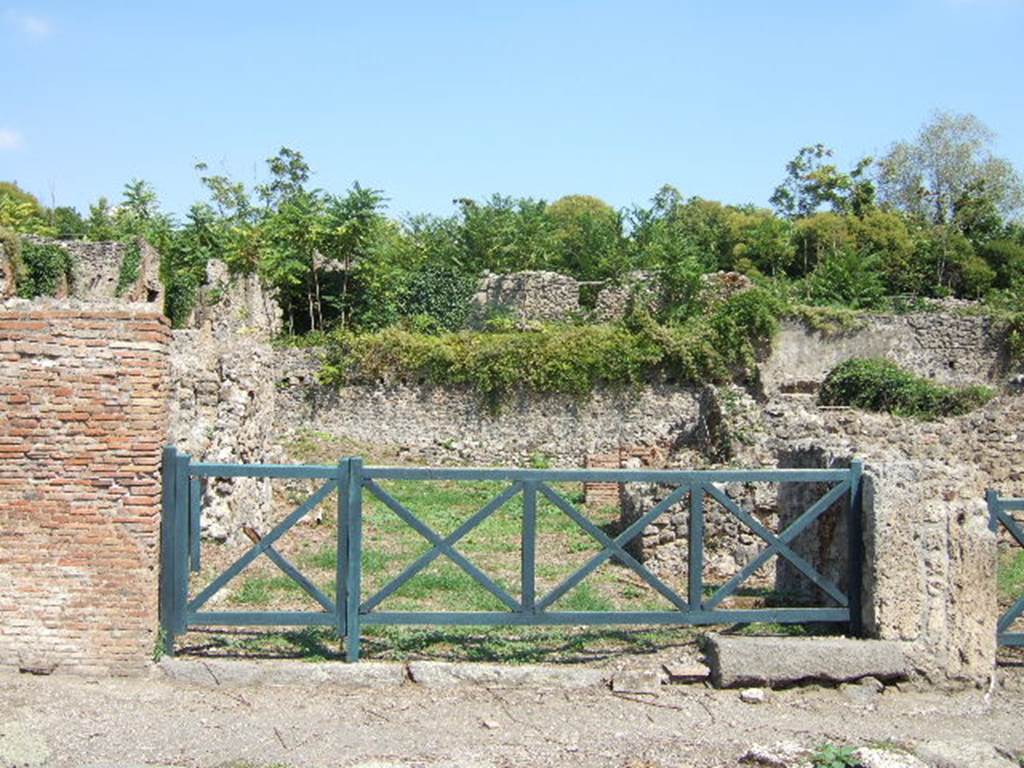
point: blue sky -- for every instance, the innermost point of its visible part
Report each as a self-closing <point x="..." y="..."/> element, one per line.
<point x="430" y="101"/>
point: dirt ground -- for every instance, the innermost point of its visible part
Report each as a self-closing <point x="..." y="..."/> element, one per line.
<point x="68" y="721"/>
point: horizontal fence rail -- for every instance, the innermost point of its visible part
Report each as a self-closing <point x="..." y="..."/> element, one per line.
<point x="1000" y="511"/>
<point x="350" y="482"/>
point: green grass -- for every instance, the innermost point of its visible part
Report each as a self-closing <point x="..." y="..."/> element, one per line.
<point x="1011" y="575"/>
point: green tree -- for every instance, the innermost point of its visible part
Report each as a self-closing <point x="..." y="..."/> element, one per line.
<point x="811" y="182"/>
<point x="22" y="212"/>
<point x="587" y="233"/>
<point x="947" y="170"/>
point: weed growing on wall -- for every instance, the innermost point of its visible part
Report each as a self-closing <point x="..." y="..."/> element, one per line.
<point x="131" y="265"/>
<point x="879" y="385"/>
<point x="45" y="267"/>
<point x="717" y="346"/>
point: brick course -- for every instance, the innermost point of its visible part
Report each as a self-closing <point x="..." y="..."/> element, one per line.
<point x="83" y="416"/>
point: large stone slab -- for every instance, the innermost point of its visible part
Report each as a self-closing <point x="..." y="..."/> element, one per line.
<point x="440" y="674"/>
<point x="780" y="661"/>
<point x="240" y="672"/>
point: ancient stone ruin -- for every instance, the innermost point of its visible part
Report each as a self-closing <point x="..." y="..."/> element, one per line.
<point x="220" y="391"/>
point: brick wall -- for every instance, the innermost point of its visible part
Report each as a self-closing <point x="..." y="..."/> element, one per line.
<point x="83" y="416"/>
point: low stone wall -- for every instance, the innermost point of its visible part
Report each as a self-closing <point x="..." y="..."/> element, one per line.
<point x="448" y="425"/>
<point x="952" y="348"/>
<point x="83" y="417"/>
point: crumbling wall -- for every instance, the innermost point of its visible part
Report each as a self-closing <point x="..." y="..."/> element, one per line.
<point x="96" y="271"/>
<point x="83" y="417"/>
<point x="448" y="425"/>
<point x="223" y="405"/>
<point x="949" y="347"/>
<point x="531" y="296"/>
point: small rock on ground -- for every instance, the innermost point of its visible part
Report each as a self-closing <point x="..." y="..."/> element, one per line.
<point x="754" y="696"/>
<point x="637" y="681"/>
<point x="785" y="754"/>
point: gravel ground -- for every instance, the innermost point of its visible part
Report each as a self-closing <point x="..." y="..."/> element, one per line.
<point x="67" y="721"/>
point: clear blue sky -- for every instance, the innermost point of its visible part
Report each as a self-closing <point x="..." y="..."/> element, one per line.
<point x="435" y="100"/>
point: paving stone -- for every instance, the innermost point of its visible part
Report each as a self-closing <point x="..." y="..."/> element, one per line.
<point x="778" y="661"/>
<point x="239" y="672"/>
<point x="962" y="754"/>
<point x="441" y="674"/>
<point x="687" y="671"/>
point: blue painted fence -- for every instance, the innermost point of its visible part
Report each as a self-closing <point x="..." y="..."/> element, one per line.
<point x="350" y="481"/>
<point x="1000" y="511"/>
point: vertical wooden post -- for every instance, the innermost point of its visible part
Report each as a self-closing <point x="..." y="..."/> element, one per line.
<point x="855" y="536"/>
<point x="168" y="473"/>
<point x="695" y="546"/>
<point x="528" y="547"/>
<point x="181" y="545"/>
<point x="341" y="552"/>
<point x="353" y="580"/>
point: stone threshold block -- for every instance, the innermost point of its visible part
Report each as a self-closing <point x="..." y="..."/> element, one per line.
<point x="781" y="661"/>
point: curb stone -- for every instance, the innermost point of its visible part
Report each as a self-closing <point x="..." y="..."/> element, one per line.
<point x="442" y="674"/>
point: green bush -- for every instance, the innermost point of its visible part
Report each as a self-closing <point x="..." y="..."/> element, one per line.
<point x="879" y="385"/>
<point x="45" y="266"/>
<point x="563" y="359"/>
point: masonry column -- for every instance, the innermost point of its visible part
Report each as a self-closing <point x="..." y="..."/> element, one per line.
<point x="83" y="416"/>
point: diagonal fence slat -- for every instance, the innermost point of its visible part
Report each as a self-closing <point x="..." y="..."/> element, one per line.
<point x="434" y="538"/>
<point x="609" y="544"/>
<point x="257" y="549"/>
<point x="777" y="545"/>
<point x="623" y="538"/>
<point x="432" y="554"/>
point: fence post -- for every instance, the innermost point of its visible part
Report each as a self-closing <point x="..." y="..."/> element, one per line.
<point x="992" y="501"/>
<point x="168" y="511"/>
<point x="354" y="557"/>
<point x="181" y="543"/>
<point x="528" y="547"/>
<point x="695" y="553"/>
<point x="855" y="536"/>
<point x="341" y="552"/>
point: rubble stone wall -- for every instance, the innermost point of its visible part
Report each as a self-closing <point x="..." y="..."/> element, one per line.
<point x="949" y="347"/>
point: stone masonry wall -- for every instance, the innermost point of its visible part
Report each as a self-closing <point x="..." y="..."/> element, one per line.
<point x="449" y="425"/>
<point x="83" y="416"/>
<point x="952" y="348"/>
<point x="96" y="269"/>
<point x="527" y="296"/>
<point x="223" y="402"/>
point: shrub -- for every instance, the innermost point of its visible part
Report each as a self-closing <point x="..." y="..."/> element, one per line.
<point x="879" y="385"/>
<point x="562" y="359"/>
<point x="45" y="266"/>
<point x="130" y="267"/>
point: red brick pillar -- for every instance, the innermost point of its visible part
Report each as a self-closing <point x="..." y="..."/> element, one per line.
<point x="83" y="416"/>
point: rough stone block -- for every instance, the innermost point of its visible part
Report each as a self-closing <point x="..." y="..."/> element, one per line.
<point x="781" y="661"/>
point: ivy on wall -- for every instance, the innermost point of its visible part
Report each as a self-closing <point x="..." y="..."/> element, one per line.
<point x="46" y="267"/>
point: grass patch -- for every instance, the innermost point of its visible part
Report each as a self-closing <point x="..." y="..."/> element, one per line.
<point x="879" y="385"/>
<point x="1011" y="575"/>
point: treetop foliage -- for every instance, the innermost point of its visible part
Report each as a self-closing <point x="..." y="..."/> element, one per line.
<point x="934" y="216"/>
